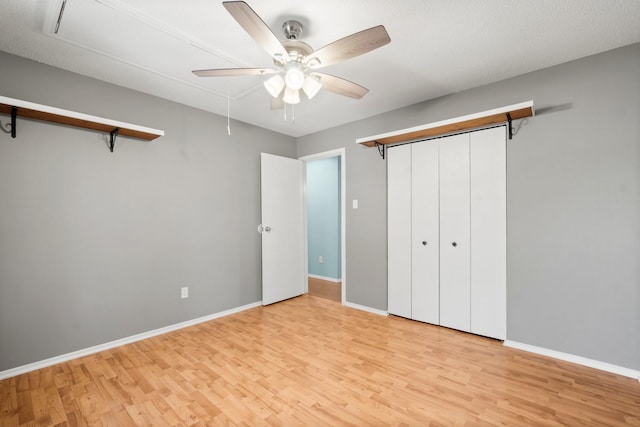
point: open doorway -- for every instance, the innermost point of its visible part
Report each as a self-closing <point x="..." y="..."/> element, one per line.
<point x="325" y="224"/>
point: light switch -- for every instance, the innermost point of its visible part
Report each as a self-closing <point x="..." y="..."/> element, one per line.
<point x="355" y="203"/>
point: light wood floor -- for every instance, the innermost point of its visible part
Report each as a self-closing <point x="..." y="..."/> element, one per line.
<point x="310" y="361"/>
<point x="325" y="289"/>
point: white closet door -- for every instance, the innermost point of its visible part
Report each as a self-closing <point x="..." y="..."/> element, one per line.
<point x="425" y="220"/>
<point x="488" y="233"/>
<point x="399" y="230"/>
<point x="455" y="293"/>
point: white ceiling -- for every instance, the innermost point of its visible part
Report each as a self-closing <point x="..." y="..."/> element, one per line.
<point x="437" y="47"/>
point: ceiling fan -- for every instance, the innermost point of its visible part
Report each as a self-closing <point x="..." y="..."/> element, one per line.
<point x="295" y="61"/>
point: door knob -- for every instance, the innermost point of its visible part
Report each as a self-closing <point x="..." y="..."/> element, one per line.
<point x="454" y="244"/>
<point x="424" y="243"/>
<point x="262" y="229"/>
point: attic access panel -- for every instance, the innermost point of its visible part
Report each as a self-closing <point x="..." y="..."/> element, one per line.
<point x="146" y="40"/>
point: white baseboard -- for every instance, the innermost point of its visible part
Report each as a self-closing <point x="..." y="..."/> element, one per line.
<point x="365" y="308"/>
<point x="328" y="279"/>
<point x="603" y="366"/>
<point x="128" y="340"/>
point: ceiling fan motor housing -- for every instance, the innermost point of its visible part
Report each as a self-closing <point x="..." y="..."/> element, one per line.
<point x="292" y="29"/>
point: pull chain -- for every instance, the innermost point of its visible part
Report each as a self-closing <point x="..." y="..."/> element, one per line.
<point x="293" y="113"/>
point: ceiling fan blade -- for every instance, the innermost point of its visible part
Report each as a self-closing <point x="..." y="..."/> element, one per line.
<point x="349" y="47"/>
<point x="341" y="86"/>
<point x="277" y="103"/>
<point x="223" y="72"/>
<point x="256" y="28"/>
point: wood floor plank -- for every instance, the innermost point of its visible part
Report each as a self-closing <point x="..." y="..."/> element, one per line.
<point x="325" y="289"/>
<point x="310" y="361"/>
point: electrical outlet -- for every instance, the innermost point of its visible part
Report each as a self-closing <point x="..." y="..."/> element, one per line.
<point x="184" y="292"/>
<point x="321" y="259"/>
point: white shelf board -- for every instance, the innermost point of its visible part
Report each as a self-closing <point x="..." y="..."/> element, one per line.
<point x="470" y="121"/>
<point x="58" y="115"/>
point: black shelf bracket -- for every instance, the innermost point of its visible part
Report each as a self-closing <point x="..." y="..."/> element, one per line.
<point x="509" y="125"/>
<point x="14" y="114"/>
<point x="114" y="134"/>
<point x="381" y="149"/>
<point x="11" y="127"/>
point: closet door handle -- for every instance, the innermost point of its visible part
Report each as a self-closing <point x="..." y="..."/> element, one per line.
<point x="454" y="244"/>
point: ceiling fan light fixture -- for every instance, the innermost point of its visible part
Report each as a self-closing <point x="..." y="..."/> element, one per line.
<point x="274" y="85"/>
<point x="294" y="78"/>
<point x="291" y="96"/>
<point x="311" y="86"/>
<point x="295" y="61"/>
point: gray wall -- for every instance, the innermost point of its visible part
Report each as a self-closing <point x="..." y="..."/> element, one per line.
<point x="94" y="246"/>
<point x="573" y="203"/>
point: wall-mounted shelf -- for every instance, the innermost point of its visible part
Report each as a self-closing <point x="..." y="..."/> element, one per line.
<point x="471" y="121"/>
<point x="18" y="108"/>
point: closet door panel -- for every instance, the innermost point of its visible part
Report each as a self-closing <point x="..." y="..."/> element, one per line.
<point x="425" y="278"/>
<point x="454" y="232"/>
<point x="399" y="230"/>
<point x="488" y="232"/>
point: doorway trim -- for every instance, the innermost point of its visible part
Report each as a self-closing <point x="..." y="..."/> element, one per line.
<point x="339" y="152"/>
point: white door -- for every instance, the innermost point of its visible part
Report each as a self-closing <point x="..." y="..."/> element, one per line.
<point x="425" y="225"/>
<point x="455" y="251"/>
<point x="488" y="228"/>
<point x="399" y="230"/>
<point x="283" y="252"/>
